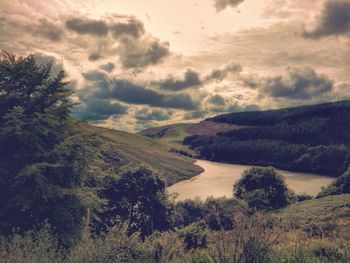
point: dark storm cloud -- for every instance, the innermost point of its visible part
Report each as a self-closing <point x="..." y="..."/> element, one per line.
<point x="99" y="110"/>
<point x="109" y="67"/>
<point x="87" y="26"/>
<point x="221" y="5"/>
<point x="195" y="115"/>
<point x="94" y="56"/>
<point x="217" y="100"/>
<point x="333" y="21"/>
<point x="152" y="115"/>
<point x="134" y="94"/>
<point x="133" y="27"/>
<point x="190" y="79"/>
<point x="102" y="87"/>
<point x="135" y="49"/>
<point x="138" y="53"/>
<point x="239" y="108"/>
<point x="220" y="74"/>
<point x="300" y="84"/>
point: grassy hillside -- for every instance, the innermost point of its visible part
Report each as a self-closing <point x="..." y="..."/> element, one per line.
<point x="312" y="139"/>
<point x="321" y="216"/>
<point x="321" y="209"/>
<point x="121" y="148"/>
<point x="177" y="132"/>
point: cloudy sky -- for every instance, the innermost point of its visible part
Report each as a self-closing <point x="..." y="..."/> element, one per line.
<point x="139" y="63"/>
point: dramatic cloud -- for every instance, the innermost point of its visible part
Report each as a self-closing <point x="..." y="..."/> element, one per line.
<point x="134" y="94"/>
<point x="300" y="84"/>
<point x="333" y="21"/>
<point x="217" y="100"/>
<point x="151" y="115"/>
<point x="239" y="108"/>
<point x="195" y="115"/>
<point x="49" y="30"/>
<point x="220" y="74"/>
<point x="141" y="52"/>
<point x="124" y="74"/>
<point x="190" y="79"/>
<point x="133" y="27"/>
<point x="223" y="4"/>
<point x="136" y="48"/>
<point x="102" y="87"/>
<point x="87" y="26"/>
<point x="99" y="110"/>
<point x="109" y="67"/>
<point x="94" y="56"/>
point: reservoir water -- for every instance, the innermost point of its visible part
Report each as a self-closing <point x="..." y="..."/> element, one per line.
<point x="218" y="178"/>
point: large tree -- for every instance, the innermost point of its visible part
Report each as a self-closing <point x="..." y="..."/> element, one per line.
<point x="138" y="199"/>
<point x="42" y="160"/>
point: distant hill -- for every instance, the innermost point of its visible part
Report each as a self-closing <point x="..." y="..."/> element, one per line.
<point x="177" y="132"/>
<point x="308" y="138"/>
<point x="119" y="149"/>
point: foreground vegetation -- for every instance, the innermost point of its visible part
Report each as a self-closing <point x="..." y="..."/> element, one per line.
<point x="254" y="238"/>
<point x="70" y="192"/>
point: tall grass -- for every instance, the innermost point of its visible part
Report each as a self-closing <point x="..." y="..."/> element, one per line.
<point x="255" y="238"/>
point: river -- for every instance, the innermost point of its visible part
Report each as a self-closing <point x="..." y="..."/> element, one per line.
<point x="218" y="178"/>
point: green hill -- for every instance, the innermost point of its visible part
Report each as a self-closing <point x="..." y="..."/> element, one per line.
<point x="120" y="148"/>
<point x="313" y="139"/>
<point x="178" y="132"/>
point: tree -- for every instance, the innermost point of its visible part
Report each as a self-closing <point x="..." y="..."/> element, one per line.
<point x="43" y="160"/>
<point x="263" y="188"/>
<point x="137" y="198"/>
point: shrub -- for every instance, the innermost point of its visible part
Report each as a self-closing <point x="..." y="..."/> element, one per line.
<point x="340" y="186"/>
<point x="263" y="188"/>
<point x="328" y="251"/>
<point x="303" y="197"/>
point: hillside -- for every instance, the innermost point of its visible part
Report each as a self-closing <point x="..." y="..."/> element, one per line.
<point x="316" y="213"/>
<point x="121" y="148"/>
<point x="312" y="139"/>
<point x="177" y="132"/>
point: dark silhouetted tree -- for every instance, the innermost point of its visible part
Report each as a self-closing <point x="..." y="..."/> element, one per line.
<point x="137" y="198"/>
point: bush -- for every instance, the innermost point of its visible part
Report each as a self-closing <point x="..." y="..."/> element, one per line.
<point x="327" y="251"/>
<point x="303" y="197"/>
<point x="340" y="186"/>
<point x="263" y="188"/>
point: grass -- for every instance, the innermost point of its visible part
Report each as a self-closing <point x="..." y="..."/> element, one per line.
<point x="318" y="209"/>
<point x="255" y="239"/>
<point x="327" y="217"/>
<point x="121" y="148"/>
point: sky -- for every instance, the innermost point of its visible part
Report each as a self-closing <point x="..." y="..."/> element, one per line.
<point x="135" y="64"/>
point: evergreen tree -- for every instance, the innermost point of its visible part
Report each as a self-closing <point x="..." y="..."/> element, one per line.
<point x="43" y="161"/>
